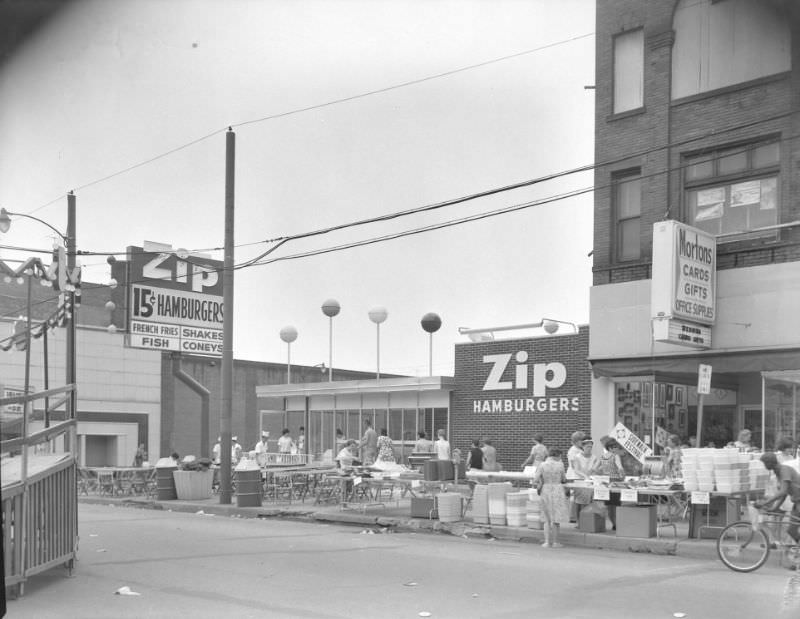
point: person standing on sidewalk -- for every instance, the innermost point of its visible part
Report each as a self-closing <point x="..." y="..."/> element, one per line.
<point x="489" y="456"/>
<point x="475" y="457"/>
<point x="442" y="446"/>
<point x="549" y="480"/>
<point x="285" y="442"/>
<point x="572" y="454"/>
<point x="538" y="452"/>
<point x="369" y="444"/>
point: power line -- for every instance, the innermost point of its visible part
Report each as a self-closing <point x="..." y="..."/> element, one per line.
<point x="413" y="82"/>
<point x="317" y="107"/>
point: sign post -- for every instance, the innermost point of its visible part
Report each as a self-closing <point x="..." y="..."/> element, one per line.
<point x="703" y="389"/>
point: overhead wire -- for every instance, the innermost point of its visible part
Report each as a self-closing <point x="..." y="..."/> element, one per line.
<point x="316" y="107"/>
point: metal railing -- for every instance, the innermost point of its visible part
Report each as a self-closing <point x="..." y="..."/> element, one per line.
<point x="40" y="503"/>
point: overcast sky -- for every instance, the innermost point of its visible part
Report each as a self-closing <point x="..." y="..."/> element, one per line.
<point x="106" y="86"/>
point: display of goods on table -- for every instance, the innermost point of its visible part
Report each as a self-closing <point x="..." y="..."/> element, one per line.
<point x="497" y="502"/>
<point x="480" y="504"/>
<point x="449" y="504"/>
<point x="533" y="511"/>
<point x="516" y="511"/>
<point x="723" y="470"/>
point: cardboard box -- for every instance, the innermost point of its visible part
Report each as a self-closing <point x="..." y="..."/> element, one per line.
<point x="590" y="521"/>
<point x="707" y="521"/>
<point x="636" y="521"/>
<point x="423" y="508"/>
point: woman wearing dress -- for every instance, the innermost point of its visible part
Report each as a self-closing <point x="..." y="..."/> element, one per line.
<point x="572" y="454"/>
<point x="582" y="466"/>
<point x="549" y="478"/>
<point x="610" y="464"/>
<point x="385" y="448"/>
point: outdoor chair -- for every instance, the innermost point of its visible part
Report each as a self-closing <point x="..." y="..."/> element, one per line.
<point x="87" y="481"/>
<point x="106" y="483"/>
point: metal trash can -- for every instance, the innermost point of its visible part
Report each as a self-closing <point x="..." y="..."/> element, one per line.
<point x="165" y="482"/>
<point x="430" y="470"/>
<point x="248" y="484"/>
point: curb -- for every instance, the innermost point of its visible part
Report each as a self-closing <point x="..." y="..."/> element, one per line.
<point x="686" y="548"/>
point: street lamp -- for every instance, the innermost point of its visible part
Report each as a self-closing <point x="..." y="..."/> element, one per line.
<point x="69" y="243"/>
<point x="288" y="335"/>
<point x="377" y="315"/>
<point x="330" y="308"/>
<point x="430" y="324"/>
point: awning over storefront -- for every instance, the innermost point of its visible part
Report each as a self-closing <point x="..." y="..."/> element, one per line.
<point x="683" y="368"/>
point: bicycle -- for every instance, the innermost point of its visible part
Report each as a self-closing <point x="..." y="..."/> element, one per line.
<point x="745" y="546"/>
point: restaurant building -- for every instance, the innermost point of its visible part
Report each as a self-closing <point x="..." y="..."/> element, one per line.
<point x="696" y="123"/>
<point x="508" y="386"/>
<point x="130" y="395"/>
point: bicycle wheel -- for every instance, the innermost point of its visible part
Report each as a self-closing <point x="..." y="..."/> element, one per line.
<point x="742" y="548"/>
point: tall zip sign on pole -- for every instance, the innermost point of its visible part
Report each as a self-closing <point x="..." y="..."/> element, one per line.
<point x="227" y="326"/>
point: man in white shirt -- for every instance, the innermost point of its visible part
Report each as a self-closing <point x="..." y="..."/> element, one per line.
<point x="285" y="442"/>
<point x="236" y="450"/>
<point x="261" y="446"/>
<point x="216" y="451"/>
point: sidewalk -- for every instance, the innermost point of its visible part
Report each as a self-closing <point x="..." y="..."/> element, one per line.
<point x="395" y="517"/>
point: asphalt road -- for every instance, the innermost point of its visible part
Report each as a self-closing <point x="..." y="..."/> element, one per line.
<point x="195" y="565"/>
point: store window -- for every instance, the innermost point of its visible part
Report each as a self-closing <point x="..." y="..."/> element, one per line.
<point x="628" y="71"/>
<point x="720" y="43"/>
<point x="627" y="196"/>
<point x="653" y="410"/>
<point x="734" y="190"/>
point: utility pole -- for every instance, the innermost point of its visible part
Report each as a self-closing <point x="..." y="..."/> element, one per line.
<point x="227" y="326"/>
<point x="71" y="327"/>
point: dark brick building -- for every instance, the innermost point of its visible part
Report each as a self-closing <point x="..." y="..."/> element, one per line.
<point x="697" y="120"/>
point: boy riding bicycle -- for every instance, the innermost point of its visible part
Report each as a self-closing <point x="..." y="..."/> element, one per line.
<point x="789" y="486"/>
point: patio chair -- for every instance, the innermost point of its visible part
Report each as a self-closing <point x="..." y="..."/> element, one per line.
<point x="106" y="483"/>
<point x="87" y="481"/>
<point x="126" y="482"/>
<point x="328" y="489"/>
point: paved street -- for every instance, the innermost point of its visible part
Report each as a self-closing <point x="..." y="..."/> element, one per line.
<point x="195" y="565"/>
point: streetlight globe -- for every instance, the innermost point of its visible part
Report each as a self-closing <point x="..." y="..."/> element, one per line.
<point x="378" y="314"/>
<point x="550" y="326"/>
<point x="111" y="329"/>
<point x="331" y="308"/>
<point x="431" y="322"/>
<point x="289" y="334"/>
<point x="111" y="306"/>
<point x="5" y="221"/>
<point x="112" y="283"/>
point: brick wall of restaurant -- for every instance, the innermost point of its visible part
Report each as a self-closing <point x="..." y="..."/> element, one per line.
<point x="512" y="431"/>
<point x="661" y="121"/>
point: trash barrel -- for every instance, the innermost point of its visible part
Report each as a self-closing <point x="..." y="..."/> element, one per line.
<point x="165" y="483"/>
<point x="248" y="488"/>
<point x="430" y="470"/>
<point x="446" y="470"/>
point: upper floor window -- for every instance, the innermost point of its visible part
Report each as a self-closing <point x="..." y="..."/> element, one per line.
<point x="719" y="43"/>
<point x="734" y="190"/>
<point x="627" y="196"/>
<point x="628" y="70"/>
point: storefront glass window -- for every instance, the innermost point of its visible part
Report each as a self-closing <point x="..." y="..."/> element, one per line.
<point x="395" y="427"/>
<point x="354" y="425"/>
<point x="781" y="417"/>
